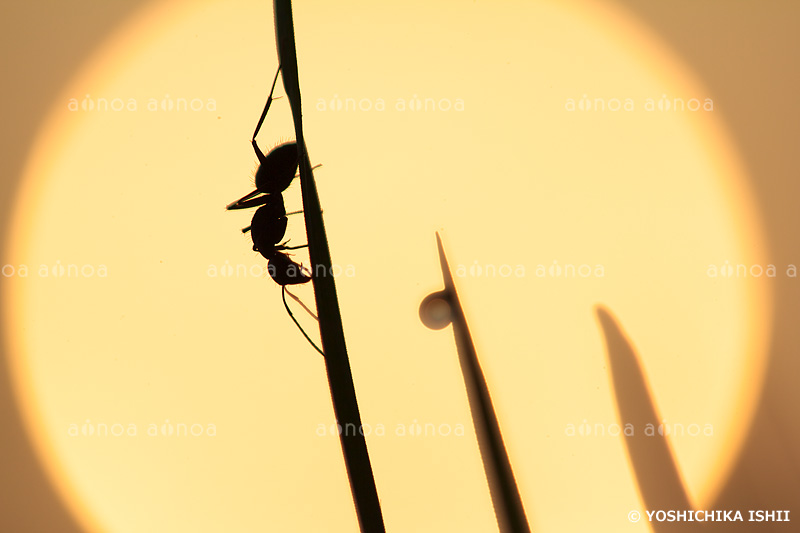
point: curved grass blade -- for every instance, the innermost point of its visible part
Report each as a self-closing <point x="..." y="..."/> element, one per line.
<point x="340" y="378"/>
<point x="657" y="474"/>
<point x="502" y="486"/>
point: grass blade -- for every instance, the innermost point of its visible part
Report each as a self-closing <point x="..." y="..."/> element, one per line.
<point x="340" y="378"/>
<point x="502" y="485"/>
<point x="657" y="474"/>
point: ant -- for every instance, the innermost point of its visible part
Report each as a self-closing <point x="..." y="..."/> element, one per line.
<point x="275" y="173"/>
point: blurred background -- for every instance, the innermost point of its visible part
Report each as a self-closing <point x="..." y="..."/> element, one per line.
<point x="630" y="154"/>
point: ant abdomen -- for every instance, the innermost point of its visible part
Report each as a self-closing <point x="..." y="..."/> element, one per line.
<point x="277" y="169"/>
<point x="284" y="271"/>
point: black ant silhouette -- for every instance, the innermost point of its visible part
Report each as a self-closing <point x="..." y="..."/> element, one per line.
<point x="275" y="173"/>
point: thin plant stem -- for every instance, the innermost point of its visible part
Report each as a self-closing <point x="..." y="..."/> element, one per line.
<point x="508" y="508"/>
<point x="340" y="378"/>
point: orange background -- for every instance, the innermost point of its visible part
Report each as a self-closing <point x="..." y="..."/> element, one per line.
<point x="514" y="179"/>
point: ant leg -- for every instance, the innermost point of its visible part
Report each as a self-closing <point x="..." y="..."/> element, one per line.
<point x="284" y="247"/>
<point x="259" y="153"/>
<point x="298" y="300"/>
<point x="312" y="168"/>
<point x="296" y="323"/>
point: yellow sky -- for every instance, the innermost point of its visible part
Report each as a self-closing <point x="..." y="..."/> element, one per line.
<point x="150" y="334"/>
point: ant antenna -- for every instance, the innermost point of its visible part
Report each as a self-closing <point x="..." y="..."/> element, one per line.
<point x="286" y="305"/>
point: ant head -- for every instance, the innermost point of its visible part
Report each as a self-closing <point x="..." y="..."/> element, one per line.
<point x="278" y="168"/>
